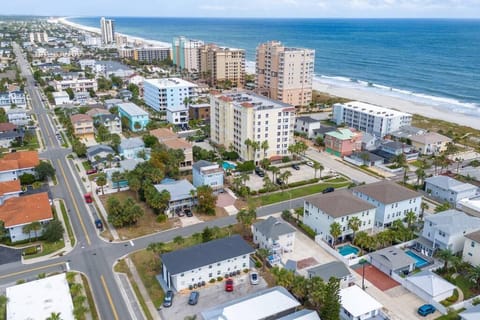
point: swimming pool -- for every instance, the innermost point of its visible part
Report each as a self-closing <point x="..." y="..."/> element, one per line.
<point x="347" y="250"/>
<point x="419" y="261"/>
<point x="228" y="165"/>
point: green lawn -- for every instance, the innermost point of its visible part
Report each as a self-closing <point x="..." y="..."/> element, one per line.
<point x="465" y="285"/>
<point x="302" y="191"/>
<point x="48" y="248"/>
<point x="67" y="223"/>
<point x="451" y="316"/>
<point x="86" y="165"/>
<point x="148" y="267"/>
<point x="91" y="301"/>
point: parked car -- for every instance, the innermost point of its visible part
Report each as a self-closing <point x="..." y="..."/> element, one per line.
<point x="88" y="198"/>
<point x="310" y="163"/>
<point x="91" y="171"/>
<point x="280" y="182"/>
<point x="328" y="190"/>
<point x="99" y="224"/>
<point x="296" y="166"/>
<point x="259" y="172"/>
<point x="426" y="309"/>
<point x="168" y="299"/>
<point x="229" y="285"/>
<point x="188" y="212"/>
<point x="254" y="279"/>
<point x="193" y="299"/>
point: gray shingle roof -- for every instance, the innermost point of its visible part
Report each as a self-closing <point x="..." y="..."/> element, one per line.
<point x="205" y="254"/>
<point x="448" y="183"/>
<point x="393" y="257"/>
<point x="339" y="203"/>
<point x="453" y="221"/>
<point x="475" y="236"/>
<point x="272" y="228"/>
<point x="178" y="190"/>
<point x="387" y="192"/>
<point x="325" y="271"/>
<point x="94" y="150"/>
<point x="307" y="119"/>
<point x="132" y="143"/>
<point x="202" y="163"/>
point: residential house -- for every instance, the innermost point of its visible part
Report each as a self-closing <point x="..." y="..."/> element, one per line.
<point x="125" y="95"/>
<point x="472" y="313"/>
<point x="270" y="303"/>
<point x="61" y="98"/>
<point x="369" y="142"/>
<point x="470" y="206"/>
<point x="83" y="126"/>
<point x="112" y="122"/>
<point x="13" y="165"/>
<point x="471" y="248"/>
<point x="81" y="97"/>
<point x="446" y="189"/>
<point x="446" y="230"/>
<point x="274" y="235"/>
<point x="364" y="158"/>
<point x="343" y="142"/>
<point x="108" y="68"/>
<point x="136" y="116"/>
<point x="133" y="148"/>
<point x="392" y="201"/>
<point x="199" y="111"/>
<point x="392" y="260"/>
<point x="205" y="261"/>
<point x="391" y="149"/>
<point x="358" y="305"/>
<point x="98" y="155"/>
<point x="320" y="132"/>
<point x="171" y="141"/>
<point x="9" y="189"/>
<point x="322" y="210"/>
<point x="429" y="286"/>
<point x="77" y="84"/>
<point x="406" y="132"/>
<point x="93" y="112"/>
<point x="9" y="133"/>
<point x="182" y="193"/>
<point x="18" y="116"/>
<point x="306" y="125"/>
<point x="17" y="212"/>
<point x="207" y="173"/>
<point x="430" y="143"/>
<point x="109" y="103"/>
<point x="12" y="98"/>
<point x="335" y="269"/>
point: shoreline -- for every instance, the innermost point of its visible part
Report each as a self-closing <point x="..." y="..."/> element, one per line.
<point x="399" y="103"/>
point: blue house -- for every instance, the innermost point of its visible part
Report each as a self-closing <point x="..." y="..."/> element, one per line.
<point x="133" y="148"/>
<point x="136" y="116"/>
<point x="207" y="173"/>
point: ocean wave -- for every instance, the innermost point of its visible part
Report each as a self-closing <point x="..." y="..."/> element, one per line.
<point x="431" y="100"/>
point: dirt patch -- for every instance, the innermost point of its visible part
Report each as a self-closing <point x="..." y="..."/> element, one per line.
<point x="305" y="263"/>
<point x="377" y="277"/>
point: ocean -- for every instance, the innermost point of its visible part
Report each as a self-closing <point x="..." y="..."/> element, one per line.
<point x="432" y="61"/>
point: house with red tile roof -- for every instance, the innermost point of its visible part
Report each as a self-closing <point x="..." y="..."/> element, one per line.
<point x="17" y="212"/>
<point x="14" y="164"/>
<point x="9" y="189"/>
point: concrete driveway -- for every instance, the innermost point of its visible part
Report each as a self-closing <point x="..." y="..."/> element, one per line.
<point x="210" y="296"/>
<point x="10" y="255"/>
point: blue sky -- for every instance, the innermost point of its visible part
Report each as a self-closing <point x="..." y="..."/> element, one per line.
<point x="249" y="8"/>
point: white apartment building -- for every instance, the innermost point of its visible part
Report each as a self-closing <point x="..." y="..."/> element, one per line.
<point x="170" y="95"/>
<point x="392" y="201"/>
<point x="205" y="261"/>
<point x="285" y="73"/>
<point x="107" y="30"/>
<point x="77" y="85"/>
<point x="186" y="53"/>
<point x="369" y="118"/>
<point x="322" y="210"/>
<point x="238" y="116"/>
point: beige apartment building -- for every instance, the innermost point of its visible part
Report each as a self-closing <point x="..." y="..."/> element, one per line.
<point x="285" y="73"/>
<point x="220" y="64"/>
<point x="83" y="126"/>
<point x="239" y="116"/>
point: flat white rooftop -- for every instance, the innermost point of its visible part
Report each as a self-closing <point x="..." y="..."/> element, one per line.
<point x="170" y="83"/>
<point x="357" y="302"/>
<point x="373" y="109"/>
<point x="471" y="203"/>
<point x="38" y="299"/>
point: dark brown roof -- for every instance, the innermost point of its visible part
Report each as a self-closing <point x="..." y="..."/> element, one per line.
<point x="475" y="236"/>
<point x="339" y="203"/>
<point x="386" y="191"/>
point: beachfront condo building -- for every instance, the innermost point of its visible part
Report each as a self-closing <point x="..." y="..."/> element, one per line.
<point x="376" y="120"/>
<point x="243" y="121"/>
<point x="285" y="73"/>
<point x="150" y="54"/>
<point x="107" y="31"/>
<point x="172" y="95"/>
<point x="39" y="37"/>
<point x="221" y="66"/>
<point x="186" y="53"/>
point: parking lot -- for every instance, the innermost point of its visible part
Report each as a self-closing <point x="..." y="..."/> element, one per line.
<point x="210" y="296"/>
<point x="305" y="173"/>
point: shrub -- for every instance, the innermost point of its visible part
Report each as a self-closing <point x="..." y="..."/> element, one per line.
<point x="246" y="166"/>
<point x="30" y="250"/>
<point x="285" y="159"/>
<point x="245" y="270"/>
<point x="219" y="279"/>
<point x="476" y="301"/>
<point x="161" y="218"/>
<point x="212" y="280"/>
<point x="309" y="231"/>
<point x="258" y="264"/>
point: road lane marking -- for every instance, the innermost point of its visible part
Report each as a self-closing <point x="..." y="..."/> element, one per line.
<point x="109" y="297"/>
<point x="74" y="203"/>
<point x="30" y="270"/>
<point x="131" y="243"/>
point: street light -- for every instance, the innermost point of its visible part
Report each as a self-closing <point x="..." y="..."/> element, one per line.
<point x="363" y="262"/>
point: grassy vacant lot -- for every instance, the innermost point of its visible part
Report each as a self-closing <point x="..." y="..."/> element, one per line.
<point x="302" y="191"/>
<point x="146" y="224"/>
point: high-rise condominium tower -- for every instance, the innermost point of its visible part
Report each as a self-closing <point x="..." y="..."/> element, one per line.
<point x="108" y="31"/>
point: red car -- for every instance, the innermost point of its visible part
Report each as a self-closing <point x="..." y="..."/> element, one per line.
<point x="91" y="171"/>
<point x="88" y="198"/>
<point x="229" y="285"/>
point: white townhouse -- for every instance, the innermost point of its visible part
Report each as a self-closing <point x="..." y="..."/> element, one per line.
<point x="274" y="235"/>
<point x="18" y="116"/>
<point x="369" y="118"/>
<point x="307" y="125"/>
<point x="471" y="248"/>
<point x="391" y="200"/>
<point x="321" y="210"/>
<point x="205" y="261"/>
<point x="446" y="230"/>
<point x="447" y="189"/>
<point x="358" y="305"/>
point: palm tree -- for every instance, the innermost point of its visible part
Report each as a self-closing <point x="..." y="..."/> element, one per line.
<point x="420" y="175"/>
<point x="134" y="184"/>
<point x="354" y="223"/>
<point x="54" y="316"/>
<point x="275" y="171"/>
<point x="446" y="255"/>
<point x="410" y="217"/>
<point x="245" y="177"/>
<point x="27" y="229"/>
<point x="265" y="147"/>
<point x="35" y="226"/>
<point x="474" y="275"/>
<point x="335" y="232"/>
<point x="285" y="175"/>
<point x="101" y="181"/>
<point x="116" y="178"/>
<point x="248" y="144"/>
<point x="458" y="161"/>
<point x="263" y="254"/>
<point x="317" y="166"/>
<point x="255" y="147"/>
<point x="424" y="206"/>
<point x="299" y="287"/>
